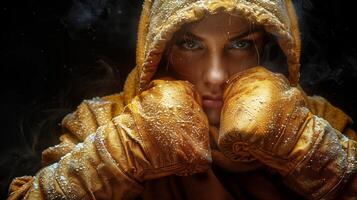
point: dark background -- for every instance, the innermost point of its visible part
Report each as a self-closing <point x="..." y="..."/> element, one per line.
<point x="56" y="53"/>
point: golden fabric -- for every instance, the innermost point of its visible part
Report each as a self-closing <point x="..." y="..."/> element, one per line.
<point x="227" y="179"/>
<point x="336" y="117"/>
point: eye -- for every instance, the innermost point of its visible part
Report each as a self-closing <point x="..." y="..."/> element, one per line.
<point x="240" y="44"/>
<point x="189" y="44"/>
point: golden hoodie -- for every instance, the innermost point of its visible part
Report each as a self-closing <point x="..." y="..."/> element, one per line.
<point x="160" y="19"/>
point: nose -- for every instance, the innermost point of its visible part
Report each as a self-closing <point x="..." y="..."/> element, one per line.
<point x="216" y="73"/>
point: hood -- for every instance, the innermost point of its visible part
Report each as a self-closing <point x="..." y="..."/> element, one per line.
<point x="160" y="19"/>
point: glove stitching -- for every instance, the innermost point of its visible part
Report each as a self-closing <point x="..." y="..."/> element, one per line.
<point x="317" y="139"/>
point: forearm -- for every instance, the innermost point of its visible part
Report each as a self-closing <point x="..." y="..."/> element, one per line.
<point x="85" y="120"/>
<point x="163" y="131"/>
<point x="89" y="170"/>
<point x="328" y="165"/>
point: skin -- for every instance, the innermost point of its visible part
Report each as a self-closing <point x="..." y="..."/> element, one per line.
<point x="208" y="52"/>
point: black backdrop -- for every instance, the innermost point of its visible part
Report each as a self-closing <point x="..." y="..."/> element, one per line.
<point x="56" y="53"/>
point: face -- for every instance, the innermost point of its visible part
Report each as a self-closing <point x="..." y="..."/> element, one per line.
<point x="208" y="52"/>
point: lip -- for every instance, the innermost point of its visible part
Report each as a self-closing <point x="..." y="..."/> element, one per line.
<point x="212" y="102"/>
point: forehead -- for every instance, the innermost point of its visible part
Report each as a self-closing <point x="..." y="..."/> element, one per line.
<point x="221" y="22"/>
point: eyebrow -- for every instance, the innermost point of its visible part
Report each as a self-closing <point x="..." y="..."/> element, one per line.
<point x="246" y="33"/>
<point x="241" y="35"/>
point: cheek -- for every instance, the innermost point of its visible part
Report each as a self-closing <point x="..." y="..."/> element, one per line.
<point x="180" y="57"/>
<point x="241" y="60"/>
<point x="185" y="66"/>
